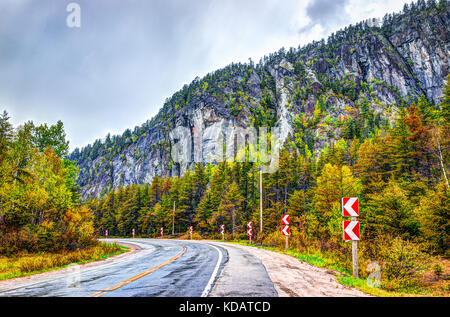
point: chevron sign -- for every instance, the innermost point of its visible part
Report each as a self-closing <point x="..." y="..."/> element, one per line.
<point x="250" y="232"/>
<point x="285" y="219"/>
<point x="350" y="207"/>
<point x="285" y="230"/>
<point x="249" y="224"/>
<point x="351" y="230"/>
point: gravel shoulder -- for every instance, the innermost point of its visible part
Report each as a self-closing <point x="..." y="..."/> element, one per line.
<point x="293" y="278"/>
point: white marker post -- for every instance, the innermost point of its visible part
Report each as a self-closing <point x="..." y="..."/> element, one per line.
<point x="285" y="230"/>
<point x="222" y="231"/>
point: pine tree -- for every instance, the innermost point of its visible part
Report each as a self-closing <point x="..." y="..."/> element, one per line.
<point x="231" y="204"/>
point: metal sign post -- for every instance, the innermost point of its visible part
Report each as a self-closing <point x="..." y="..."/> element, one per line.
<point x="351" y="230"/>
<point x="355" y="254"/>
<point x="285" y="230"/>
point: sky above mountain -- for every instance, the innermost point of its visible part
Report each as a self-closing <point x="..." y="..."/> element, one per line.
<point x="115" y="71"/>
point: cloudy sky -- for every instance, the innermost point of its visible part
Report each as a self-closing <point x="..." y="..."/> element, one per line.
<point x="115" y="71"/>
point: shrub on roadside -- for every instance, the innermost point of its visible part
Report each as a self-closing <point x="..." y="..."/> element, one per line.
<point x="403" y="263"/>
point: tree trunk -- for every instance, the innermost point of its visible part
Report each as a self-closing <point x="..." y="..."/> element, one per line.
<point x="441" y="159"/>
<point x="232" y="215"/>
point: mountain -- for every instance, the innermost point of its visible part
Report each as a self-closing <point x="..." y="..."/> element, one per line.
<point x="345" y="87"/>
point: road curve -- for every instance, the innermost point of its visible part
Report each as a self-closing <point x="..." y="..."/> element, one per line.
<point x="161" y="268"/>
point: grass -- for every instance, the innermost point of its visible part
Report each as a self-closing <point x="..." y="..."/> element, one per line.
<point x="29" y="264"/>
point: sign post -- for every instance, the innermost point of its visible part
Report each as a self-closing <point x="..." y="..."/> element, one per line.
<point x="250" y="230"/>
<point x="106" y="233"/>
<point x="132" y="232"/>
<point x="190" y="231"/>
<point x="285" y="230"/>
<point x="351" y="230"/>
<point x="222" y="231"/>
<point x="162" y="231"/>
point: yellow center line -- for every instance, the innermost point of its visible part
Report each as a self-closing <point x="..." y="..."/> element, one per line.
<point x="136" y="277"/>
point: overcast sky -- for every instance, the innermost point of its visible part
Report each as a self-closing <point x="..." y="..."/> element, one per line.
<point x="116" y="70"/>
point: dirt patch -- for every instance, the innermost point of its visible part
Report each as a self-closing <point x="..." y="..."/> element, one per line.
<point x="293" y="278"/>
<point x="18" y="280"/>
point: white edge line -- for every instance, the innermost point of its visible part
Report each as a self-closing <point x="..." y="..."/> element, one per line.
<point x="214" y="274"/>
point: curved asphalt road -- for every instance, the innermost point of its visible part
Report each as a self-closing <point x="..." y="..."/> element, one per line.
<point x="175" y="269"/>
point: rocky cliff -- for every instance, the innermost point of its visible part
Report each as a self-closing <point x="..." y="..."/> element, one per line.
<point x="313" y="94"/>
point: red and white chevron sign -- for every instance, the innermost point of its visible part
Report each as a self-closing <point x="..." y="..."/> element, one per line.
<point x="350" y="207"/>
<point x="249" y="224"/>
<point x="285" y="230"/>
<point x="250" y="232"/>
<point x="285" y="219"/>
<point x="222" y="229"/>
<point x="351" y="230"/>
<point x="191" y="229"/>
<point x="162" y="231"/>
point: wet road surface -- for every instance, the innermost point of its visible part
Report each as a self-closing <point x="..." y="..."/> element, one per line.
<point x="160" y="268"/>
<point x="243" y="276"/>
<point x="189" y="275"/>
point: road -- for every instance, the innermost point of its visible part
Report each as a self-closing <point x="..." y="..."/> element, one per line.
<point x="160" y="268"/>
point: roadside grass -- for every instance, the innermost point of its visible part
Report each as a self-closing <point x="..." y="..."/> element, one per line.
<point x="29" y="264"/>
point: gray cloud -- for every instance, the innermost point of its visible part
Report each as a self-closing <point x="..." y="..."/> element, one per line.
<point x="128" y="56"/>
<point x="326" y="13"/>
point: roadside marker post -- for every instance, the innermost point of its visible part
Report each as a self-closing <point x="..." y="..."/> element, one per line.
<point x="190" y="231"/>
<point x="250" y="230"/>
<point x="222" y="231"/>
<point x="285" y="232"/>
<point x="106" y="233"/>
<point x="162" y="231"/>
<point x="132" y="232"/>
<point x="350" y="229"/>
<point x="285" y="229"/>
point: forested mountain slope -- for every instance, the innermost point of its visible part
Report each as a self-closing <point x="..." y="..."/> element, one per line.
<point x="344" y="88"/>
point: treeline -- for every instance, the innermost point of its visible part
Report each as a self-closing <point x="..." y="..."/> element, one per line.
<point x="40" y="207"/>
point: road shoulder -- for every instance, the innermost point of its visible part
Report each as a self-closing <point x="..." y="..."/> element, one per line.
<point x="243" y="276"/>
<point x="293" y="278"/>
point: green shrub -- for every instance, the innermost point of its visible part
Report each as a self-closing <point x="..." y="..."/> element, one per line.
<point x="402" y="259"/>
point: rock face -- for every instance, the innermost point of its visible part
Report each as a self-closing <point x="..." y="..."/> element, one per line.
<point x="322" y="84"/>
